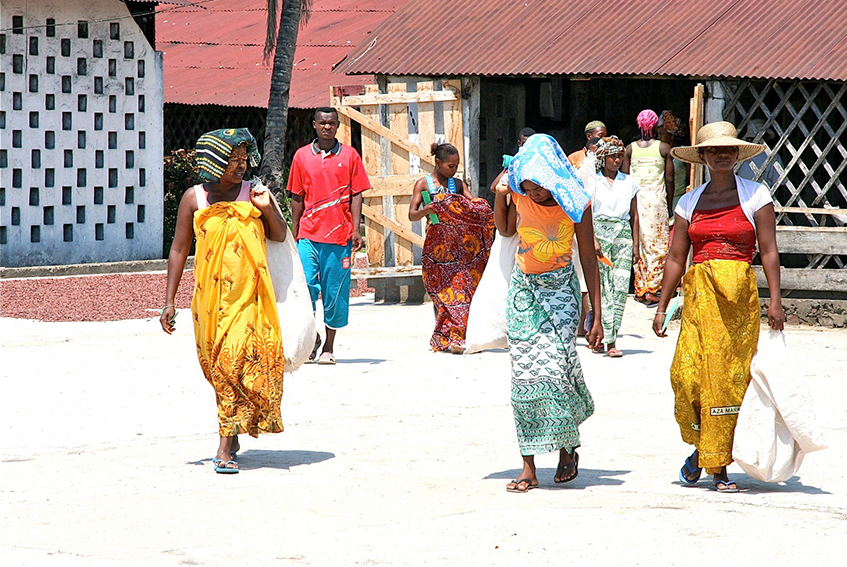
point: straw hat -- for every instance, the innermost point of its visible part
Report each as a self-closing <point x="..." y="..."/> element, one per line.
<point x="714" y="135"/>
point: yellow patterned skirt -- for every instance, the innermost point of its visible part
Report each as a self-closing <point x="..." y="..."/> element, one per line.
<point x="711" y="366"/>
<point x="235" y="319"/>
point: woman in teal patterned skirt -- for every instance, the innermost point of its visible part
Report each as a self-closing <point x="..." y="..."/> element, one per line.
<point x="615" y="211"/>
<point x="546" y="204"/>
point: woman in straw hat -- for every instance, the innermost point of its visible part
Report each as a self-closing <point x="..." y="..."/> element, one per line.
<point x="722" y="220"/>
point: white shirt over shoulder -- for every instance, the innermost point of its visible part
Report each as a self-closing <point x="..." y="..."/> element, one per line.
<point x="751" y="195"/>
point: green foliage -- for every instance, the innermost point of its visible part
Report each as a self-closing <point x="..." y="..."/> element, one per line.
<point x="180" y="173"/>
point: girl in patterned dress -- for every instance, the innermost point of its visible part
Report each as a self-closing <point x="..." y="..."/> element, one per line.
<point x="456" y="247"/>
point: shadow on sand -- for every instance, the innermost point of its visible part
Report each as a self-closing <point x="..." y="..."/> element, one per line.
<point x="285" y="460"/>
<point x="587" y="477"/>
<point x="747" y="485"/>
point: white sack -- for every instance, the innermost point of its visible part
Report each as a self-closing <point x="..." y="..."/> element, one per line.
<point x="487" y="314"/>
<point x="296" y="318"/>
<point x="776" y="425"/>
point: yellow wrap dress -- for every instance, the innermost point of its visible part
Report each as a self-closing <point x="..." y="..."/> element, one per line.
<point x="235" y="318"/>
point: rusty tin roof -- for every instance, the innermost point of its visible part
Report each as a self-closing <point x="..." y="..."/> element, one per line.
<point x="805" y="39"/>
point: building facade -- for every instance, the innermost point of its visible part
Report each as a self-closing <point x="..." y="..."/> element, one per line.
<point x="80" y="134"/>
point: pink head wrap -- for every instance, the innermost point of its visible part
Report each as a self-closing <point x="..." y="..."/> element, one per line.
<point x="647" y="120"/>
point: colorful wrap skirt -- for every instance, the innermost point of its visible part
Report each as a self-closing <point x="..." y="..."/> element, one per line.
<point x="454" y="256"/>
<point x="711" y="367"/>
<point x="615" y="237"/>
<point x="549" y="396"/>
<point x="235" y="319"/>
<point x="655" y="239"/>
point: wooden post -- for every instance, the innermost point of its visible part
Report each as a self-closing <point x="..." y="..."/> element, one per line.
<point x="695" y="122"/>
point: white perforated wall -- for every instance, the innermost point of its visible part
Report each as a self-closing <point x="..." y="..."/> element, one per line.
<point x="80" y="134"/>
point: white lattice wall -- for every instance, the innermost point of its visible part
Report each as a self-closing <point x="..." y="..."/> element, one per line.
<point x="80" y="134"/>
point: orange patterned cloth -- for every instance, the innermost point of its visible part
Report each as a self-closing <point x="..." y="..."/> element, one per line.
<point x="545" y="236"/>
<point x="235" y="319"/>
<point x="454" y="256"/>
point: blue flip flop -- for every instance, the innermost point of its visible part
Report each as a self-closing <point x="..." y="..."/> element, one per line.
<point x="726" y="489"/>
<point x="222" y="468"/>
<point x="691" y="469"/>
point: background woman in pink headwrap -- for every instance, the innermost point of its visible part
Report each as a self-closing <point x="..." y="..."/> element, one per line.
<point x="650" y="163"/>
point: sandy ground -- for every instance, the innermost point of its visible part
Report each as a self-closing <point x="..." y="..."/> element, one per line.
<point x="397" y="455"/>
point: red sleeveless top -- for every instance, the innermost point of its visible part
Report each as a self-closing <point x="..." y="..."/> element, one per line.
<point x="722" y="234"/>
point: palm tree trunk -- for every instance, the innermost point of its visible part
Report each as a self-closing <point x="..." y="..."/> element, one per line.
<point x="277" y="120"/>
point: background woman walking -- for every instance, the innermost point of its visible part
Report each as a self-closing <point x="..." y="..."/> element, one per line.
<point x="722" y="220"/>
<point x="616" y="235"/>
<point x="456" y="247"/>
<point x="649" y="162"/>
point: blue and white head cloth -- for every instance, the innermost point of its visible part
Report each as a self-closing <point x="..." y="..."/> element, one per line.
<point x="542" y="161"/>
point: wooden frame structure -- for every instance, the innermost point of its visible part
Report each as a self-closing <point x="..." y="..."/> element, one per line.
<point x="809" y="153"/>
<point x="398" y="123"/>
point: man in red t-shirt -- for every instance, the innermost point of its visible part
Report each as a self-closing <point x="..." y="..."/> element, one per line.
<point x="326" y="183"/>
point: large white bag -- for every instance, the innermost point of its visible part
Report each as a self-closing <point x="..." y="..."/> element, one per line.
<point x="487" y="314"/>
<point x="776" y="424"/>
<point x="296" y="318"/>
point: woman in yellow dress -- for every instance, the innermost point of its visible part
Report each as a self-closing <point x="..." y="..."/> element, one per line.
<point x="722" y="221"/>
<point x="234" y="309"/>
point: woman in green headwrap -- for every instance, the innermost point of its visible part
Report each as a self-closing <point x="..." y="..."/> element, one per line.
<point x="234" y="309"/>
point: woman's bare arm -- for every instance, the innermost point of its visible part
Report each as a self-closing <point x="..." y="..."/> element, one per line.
<point x="674" y="268"/>
<point x="416" y="212"/>
<point x="180" y="247"/>
<point x="766" y="234"/>
<point x="505" y="214"/>
<point x="588" y="258"/>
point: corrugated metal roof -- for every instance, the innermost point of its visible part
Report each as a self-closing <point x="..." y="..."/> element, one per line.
<point x="213" y="52"/>
<point x="804" y="39"/>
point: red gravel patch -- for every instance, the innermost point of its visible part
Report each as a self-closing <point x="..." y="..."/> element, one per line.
<point x="110" y="297"/>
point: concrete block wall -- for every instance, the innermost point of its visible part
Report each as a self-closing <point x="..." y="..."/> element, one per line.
<point x="81" y="106"/>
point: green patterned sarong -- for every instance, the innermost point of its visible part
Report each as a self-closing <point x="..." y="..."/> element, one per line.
<point x="549" y="396"/>
<point x="615" y="237"/>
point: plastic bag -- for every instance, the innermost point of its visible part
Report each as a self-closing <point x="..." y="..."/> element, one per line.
<point x="293" y="303"/>
<point x="776" y="424"/>
<point x="487" y="314"/>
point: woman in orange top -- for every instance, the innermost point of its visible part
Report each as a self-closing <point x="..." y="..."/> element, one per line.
<point x="546" y="205"/>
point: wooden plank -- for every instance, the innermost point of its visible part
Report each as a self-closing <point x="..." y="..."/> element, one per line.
<point x="384" y="132"/>
<point x="811" y="242"/>
<point x="828" y="229"/>
<point x="391" y="185"/>
<point x="426" y="117"/>
<point x="398" y="117"/>
<point x="695" y="122"/>
<point x="405" y="252"/>
<point x="345" y="133"/>
<point x="390" y="272"/>
<point x="453" y="132"/>
<point x="371" y="150"/>
<point x="806" y="280"/>
<point x="811" y="211"/>
<point x="401" y="97"/>
<point x="374" y="233"/>
<point x="389" y="224"/>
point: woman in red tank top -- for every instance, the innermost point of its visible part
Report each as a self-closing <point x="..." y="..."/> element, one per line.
<point x="722" y="221"/>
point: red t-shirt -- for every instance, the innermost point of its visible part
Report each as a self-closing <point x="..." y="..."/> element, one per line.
<point x="327" y="181"/>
